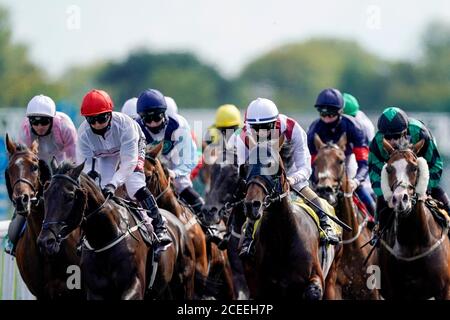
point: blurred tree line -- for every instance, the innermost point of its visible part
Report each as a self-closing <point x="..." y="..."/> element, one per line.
<point x="292" y="75"/>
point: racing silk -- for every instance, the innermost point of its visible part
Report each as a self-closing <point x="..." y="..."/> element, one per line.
<point x="59" y="143"/>
<point x="295" y="153"/>
<point x="366" y="125"/>
<point x="179" y="151"/>
<point x="121" y="142"/>
<point x="357" y="142"/>
<point x="416" y="132"/>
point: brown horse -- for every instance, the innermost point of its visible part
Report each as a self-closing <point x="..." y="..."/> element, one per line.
<point x="210" y="261"/>
<point x="287" y="258"/>
<point x="45" y="277"/>
<point x="225" y="200"/>
<point x="415" y="250"/>
<point x="116" y="262"/>
<point x="333" y="184"/>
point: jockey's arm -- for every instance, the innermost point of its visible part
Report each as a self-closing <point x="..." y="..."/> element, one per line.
<point x="129" y="153"/>
<point x="183" y="157"/>
<point x="360" y="149"/>
<point x="376" y="163"/>
<point x="69" y="138"/>
<point x="302" y="157"/>
<point x="84" y="153"/>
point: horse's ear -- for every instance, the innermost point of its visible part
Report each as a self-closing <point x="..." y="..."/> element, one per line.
<point x="342" y="143"/>
<point x="10" y="145"/>
<point x="8" y="184"/>
<point x="243" y="171"/>
<point x="318" y="142"/>
<point x="44" y="172"/>
<point x="418" y="146"/>
<point x="75" y="172"/>
<point x="387" y="146"/>
<point x="156" y="150"/>
<point x="54" y="165"/>
<point x="34" y="147"/>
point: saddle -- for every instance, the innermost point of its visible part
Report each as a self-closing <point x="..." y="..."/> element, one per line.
<point x="295" y="200"/>
<point x="440" y="215"/>
<point x="139" y="217"/>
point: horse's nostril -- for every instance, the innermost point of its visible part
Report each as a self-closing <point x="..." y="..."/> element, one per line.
<point x="405" y="198"/>
<point x="213" y="210"/>
<point x="394" y="200"/>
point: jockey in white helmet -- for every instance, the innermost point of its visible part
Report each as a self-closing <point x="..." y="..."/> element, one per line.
<point x="262" y="118"/>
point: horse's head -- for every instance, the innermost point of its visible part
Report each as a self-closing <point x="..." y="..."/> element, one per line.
<point x="404" y="176"/>
<point x="225" y="186"/>
<point x="24" y="175"/>
<point x="65" y="203"/>
<point x="156" y="176"/>
<point x="329" y="167"/>
<point x="266" y="179"/>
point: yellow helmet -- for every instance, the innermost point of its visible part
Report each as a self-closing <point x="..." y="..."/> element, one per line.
<point x="228" y="116"/>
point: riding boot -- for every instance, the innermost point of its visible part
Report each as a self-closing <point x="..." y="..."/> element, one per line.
<point x="14" y="231"/>
<point x="193" y="199"/>
<point x="247" y="247"/>
<point x="439" y="194"/>
<point x="325" y="222"/>
<point x="148" y="202"/>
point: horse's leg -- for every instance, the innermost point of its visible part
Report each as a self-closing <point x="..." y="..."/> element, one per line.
<point x="330" y="284"/>
<point x="135" y="291"/>
<point x="237" y="270"/>
<point x="314" y="288"/>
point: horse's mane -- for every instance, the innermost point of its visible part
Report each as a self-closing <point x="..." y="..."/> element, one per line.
<point x="86" y="181"/>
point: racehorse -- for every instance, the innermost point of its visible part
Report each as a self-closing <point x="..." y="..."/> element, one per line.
<point x="333" y="184"/>
<point x="225" y="200"/>
<point x="211" y="263"/>
<point x="25" y="177"/>
<point x="286" y="263"/>
<point x="415" y="249"/>
<point x="116" y="262"/>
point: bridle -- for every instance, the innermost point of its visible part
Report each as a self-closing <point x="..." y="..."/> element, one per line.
<point x="46" y="225"/>
<point x="271" y="187"/>
<point x="337" y="190"/>
<point x="34" y="200"/>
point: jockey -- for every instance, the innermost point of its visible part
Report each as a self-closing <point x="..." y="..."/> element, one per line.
<point x="172" y="108"/>
<point x="129" y="108"/>
<point x="262" y="117"/>
<point x="227" y="121"/>
<point x="351" y="108"/>
<point x="57" y="138"/>
<point x="331" y="125"/>
<point x="115" y="139"/>
<point x="179" y="152"/>
<point x="395" y="126"/>
<point x="55" y="131"/>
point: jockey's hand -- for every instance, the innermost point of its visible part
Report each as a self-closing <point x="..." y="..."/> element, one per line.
<point x="108" y="190"/>
<point x="172" y="174"/>
<point x="354" y="184"/>
<point x="93" y="174"/>
<point x="291" y="181"/>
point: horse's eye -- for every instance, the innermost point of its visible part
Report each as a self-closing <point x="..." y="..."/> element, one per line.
<point x="341" y="162"/>
<point x="413" y="168"/>
<point x="34" y="168"/>
<point x="389" y="169"/>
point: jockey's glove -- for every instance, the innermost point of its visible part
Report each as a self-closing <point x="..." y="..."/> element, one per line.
<point x="354" y="184"/>
<point x="172" y="174"/>
<point x="93" y="174"/>
<point x="108" y="190"/>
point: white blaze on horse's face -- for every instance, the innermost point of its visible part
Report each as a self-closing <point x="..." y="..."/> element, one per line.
<point x="401" y="199"/>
